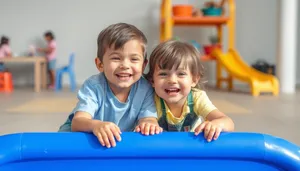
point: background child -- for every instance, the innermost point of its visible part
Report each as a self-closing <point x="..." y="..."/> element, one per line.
<point x="116" y="98"/>
<point x="50" y="51"/>
<point x="4" y="50"/>
<point x="175" y="72"/>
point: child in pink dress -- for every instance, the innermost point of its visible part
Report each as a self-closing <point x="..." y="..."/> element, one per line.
<point x="4" y="50"/>
<point x="50" y="51"/>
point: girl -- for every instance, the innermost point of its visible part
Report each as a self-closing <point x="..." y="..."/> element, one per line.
<point x="175" y="73"/>
<point x="51" y="56"/>
<point x="4" y="50"/>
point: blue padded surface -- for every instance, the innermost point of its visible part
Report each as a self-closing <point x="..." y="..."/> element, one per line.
<point x="167" y="151"/>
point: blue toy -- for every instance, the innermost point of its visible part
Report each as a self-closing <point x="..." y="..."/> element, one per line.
<point x="212" y="11"/>
<point x="196" y="45"/>
<point x="167" y="151"/>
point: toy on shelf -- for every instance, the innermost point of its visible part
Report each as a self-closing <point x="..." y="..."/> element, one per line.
<point x="212" y="11"/>
<point x="213" y="8"/>
<point x="196" y="45"/>
<point x="208" y="49"/>
<point x="183" y="10"/>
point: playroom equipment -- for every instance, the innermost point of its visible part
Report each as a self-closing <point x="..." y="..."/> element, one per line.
<point x="167" y="151"/>
<point x="6" y="82"/>
<point x="68" y="69"/>
<point x="259" y="82"/>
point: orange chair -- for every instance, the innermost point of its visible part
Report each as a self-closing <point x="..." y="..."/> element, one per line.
<point x="6" y="82"/>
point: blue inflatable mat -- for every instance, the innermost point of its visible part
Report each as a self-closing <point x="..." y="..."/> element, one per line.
<point x="167" y="152"/>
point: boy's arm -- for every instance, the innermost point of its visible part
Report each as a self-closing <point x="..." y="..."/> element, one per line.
<point x="148" y="109"/>
<point x="83" y="122"/>
<point x="106" y="132"/>
<point x="85" y="109"/>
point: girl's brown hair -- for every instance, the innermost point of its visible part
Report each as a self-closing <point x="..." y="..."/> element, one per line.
<point x="173" y="53"/>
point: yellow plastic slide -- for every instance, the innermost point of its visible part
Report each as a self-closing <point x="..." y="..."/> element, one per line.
<point x="237" y="68"/>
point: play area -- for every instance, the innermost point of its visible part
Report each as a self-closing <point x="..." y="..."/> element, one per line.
<point x="229" y="59"/>
<point x="88" y="107"/>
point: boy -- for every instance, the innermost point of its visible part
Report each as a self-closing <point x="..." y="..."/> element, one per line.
<point x="118" y="97"/>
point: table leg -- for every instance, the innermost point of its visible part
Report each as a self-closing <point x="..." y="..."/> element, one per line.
<point x="37" y="77"/>
<point x="44" y="75"/>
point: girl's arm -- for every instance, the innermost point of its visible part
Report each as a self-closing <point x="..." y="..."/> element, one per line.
<point x="218" y="118"/>
<point x="45" y="50"/>
<point x="216" y="123"/>
<point x="7" y="51"/>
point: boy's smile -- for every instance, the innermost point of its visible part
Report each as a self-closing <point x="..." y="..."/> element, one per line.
<point x="124" y="76"/>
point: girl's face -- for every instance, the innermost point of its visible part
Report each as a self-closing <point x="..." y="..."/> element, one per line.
<point x="173" y="85"/>
<point x="48" y="38"/>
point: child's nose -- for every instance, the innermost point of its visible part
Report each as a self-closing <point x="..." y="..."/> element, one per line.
<point x="124" y="64"/>
<point x="172" y="79"/>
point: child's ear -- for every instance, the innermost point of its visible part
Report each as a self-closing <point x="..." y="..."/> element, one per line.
<point x="99" y="64"/>
<point x="152" y="82"/>
<point x="145" y="64"/>
<point x="195" y="81"/>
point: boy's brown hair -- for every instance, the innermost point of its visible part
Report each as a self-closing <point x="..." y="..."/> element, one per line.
<point x="173" y="53"/>
<point x="118" y="35"/>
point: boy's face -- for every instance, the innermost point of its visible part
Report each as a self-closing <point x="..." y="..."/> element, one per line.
<point x="122" y="67"/>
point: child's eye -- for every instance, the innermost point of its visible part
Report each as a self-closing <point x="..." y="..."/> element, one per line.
<point x="135" y="59"/>
<point x="181" y="73"/>
<point x="162" y="74"/>
<point x="115" y="58"/>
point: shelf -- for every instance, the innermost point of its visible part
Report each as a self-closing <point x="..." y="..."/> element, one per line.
<point x="203" y="20"/>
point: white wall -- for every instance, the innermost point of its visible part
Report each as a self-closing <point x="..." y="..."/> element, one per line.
<point x="298" y="45"/>
<point x="76" y="24"/>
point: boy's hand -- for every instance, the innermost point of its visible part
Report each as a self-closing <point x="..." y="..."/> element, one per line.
<point x="211" y="130"/>
<point x="107" y="132"/>
<point x="148" y="126"/>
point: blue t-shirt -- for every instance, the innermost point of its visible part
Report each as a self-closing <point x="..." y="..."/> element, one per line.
<point x="96" y="98"/>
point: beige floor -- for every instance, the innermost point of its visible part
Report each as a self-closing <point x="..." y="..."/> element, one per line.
<point x="24" y="111"/>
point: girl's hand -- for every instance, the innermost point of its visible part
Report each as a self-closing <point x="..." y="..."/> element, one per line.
<point x="148" y="126"/>
<point x="211" y="130"/>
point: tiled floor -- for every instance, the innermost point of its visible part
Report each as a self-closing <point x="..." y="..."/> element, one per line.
<point x="279" y="116"/>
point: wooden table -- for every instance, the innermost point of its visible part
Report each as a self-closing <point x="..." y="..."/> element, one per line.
<point x="40" y="69"/>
